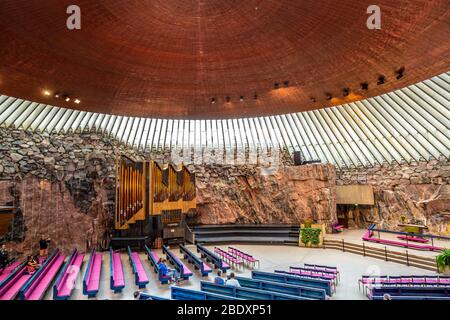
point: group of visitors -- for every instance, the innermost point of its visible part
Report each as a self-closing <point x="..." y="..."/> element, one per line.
<point x="231" y="280"/>
<point x="32" y="262"/>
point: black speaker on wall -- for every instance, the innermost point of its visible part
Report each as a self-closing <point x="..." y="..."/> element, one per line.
<point x="298" y="158"/>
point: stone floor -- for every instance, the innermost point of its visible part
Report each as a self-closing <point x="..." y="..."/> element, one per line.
<point x="351" y="267"/>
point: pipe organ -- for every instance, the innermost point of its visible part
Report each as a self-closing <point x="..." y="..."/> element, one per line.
<point x="148" y="191"/>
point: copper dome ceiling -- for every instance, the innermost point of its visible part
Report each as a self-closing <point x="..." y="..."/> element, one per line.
<point x="170" y="58"/>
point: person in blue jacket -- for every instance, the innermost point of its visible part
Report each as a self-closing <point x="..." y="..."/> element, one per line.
<point x="167" y="272"/>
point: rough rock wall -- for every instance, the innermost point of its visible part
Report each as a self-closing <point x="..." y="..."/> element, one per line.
<point x="63" y="184"/>
<point x="420" y="191"/>
<point x="244" y="194"/>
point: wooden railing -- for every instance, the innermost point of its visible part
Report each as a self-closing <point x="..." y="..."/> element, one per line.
<point x="406" y="257"/>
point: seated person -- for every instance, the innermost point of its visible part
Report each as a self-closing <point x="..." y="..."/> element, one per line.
<point x="232" y="282"/>
<point x="137" y="296"/>
<point x="32" y="264"/>
<point x="4" y="258"/>
<point x="167" y="272"/>
<point x="218" y="279"/>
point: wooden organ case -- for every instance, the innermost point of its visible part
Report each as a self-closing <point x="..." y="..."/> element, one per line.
<point x="152" y="200"/>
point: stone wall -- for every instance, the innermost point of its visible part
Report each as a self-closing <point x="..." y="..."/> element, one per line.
<point x="420" y="191"/>
<point x="64" y="186"/>
<point x="246" y="194"/>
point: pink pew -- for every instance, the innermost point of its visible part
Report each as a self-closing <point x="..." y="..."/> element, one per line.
<point x="10" y="289"/>
<point x="368" y="236"/>
<point x="8" y="270"/>
<point x="91" y="281"/>
<point x="246" y="257"/>
<point x="141" y="278"/>
<point x="117" y="281"/>
<point x="65" y="282"/>
<point x="36" y="286"/>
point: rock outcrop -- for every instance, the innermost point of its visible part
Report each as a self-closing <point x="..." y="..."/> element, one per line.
<point x="420" y="191"/>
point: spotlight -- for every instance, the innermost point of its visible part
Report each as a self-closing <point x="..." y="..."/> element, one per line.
<point x="47" y="93"/>
<point x="365" y="85"/>
<point x="381" y="79"/>
<point x="228" y="99"/>
<point x="399" y="73"/>
<point x="77" y="101"/>
<point x="345" y="92"/>
<point x="313" y="99"/>
<point x="57" y="95"/>
<point x="66" y="98"/>
<point x="329" y="96"/>
<point x="276" y="85"/>
<point x="213" y="100"/>
<point x="241" y="98"/>
<point x="286" y="83"/>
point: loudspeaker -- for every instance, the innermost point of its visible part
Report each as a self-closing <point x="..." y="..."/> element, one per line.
<point x="298" y="158"/>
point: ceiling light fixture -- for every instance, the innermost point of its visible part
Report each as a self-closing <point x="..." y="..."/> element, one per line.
<point x="381" y="79"/>
<point x="286" y="83"/>
<point x="365" y="85"/>
<point x="345" y="92"/>
<point x="313" y="99"/>
<point x="329" y="96"/>
<point x="399" y="73"/>
<point x="57" y="95"/>
<point x="213" y="100"/>
<point x="241" y="98"/>
<point x="47" y="93"/>
<point x="77" y="101"/>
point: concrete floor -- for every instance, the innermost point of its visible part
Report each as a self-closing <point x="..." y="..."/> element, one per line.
<point x="351" y="267"/>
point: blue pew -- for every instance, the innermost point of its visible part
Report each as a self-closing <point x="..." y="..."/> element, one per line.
<point x="296" y="280"/>
<point x="189" y="294"/>
<point x="246" y="293"/>
<point x="196" y="261"/>
<point x="213" y="258"/>
<point x="146" y="296"/>
<point x="153" y="258"/>
<point x="409" y="291"/>
<point x="295" y="290"/>
<point x="140" y="277"/>
<point x="184" y="271"/>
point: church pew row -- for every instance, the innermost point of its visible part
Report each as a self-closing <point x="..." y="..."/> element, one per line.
<point x="438" y="292"/>
<point x="249" y="259"/>
<point x="196" y="261"/>
<point x="184" y="271"/>
<point x="117" y="281"/>
<point x="37" y="285"/>
<point x="411" y="298"/>
<point x="4" y="273"/>
<point x="213" y="258"/>
<point x="229" y="258"/>
<point x="140" y="277"/>
<point x="295" y="290"/>
<point x="322" y="268"/>
<point x="178" y="293"/>
<point x="246" y="293"/>
<point x="91" y="280"/>
<point x="368" y="236"/>
<point x="10" y="286"/>
<point x="146" y="296"/>
<point x="65" y="282"/>
<point x="293" y="279"/>
<point x="318" y="274"/>
<point x="310" y="276"/>
<point x="153" y="258"/>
